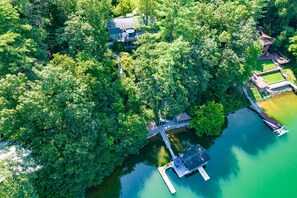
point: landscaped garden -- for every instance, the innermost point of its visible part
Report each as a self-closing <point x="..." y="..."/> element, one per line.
<point x="255" y="94"/>
<point x="291" y="75"/>
<point x="265" y="65"/>
<point x="273" y="77"/>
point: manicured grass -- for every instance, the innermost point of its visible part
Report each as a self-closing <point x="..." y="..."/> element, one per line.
<point x="291" y="75"/>
<point x="273" y="78"/>
<point x="255" y="94"/>
<point x="265" y="65"/>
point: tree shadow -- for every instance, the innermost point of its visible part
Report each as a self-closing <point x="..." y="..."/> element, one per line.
<point x="245" y="131"/>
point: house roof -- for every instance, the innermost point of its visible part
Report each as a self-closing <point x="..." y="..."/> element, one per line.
<point x="182" y="117"/>
<point x="123" y="23"/>
<point x="195" y="157"/>
<point x="268" y="40"/>
<point x="263" y="35"/>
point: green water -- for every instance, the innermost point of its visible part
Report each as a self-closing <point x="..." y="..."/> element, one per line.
<point x="247" y="161"/>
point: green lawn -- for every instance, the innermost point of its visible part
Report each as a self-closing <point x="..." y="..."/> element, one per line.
<point x="265" y="65"/>
<point x="255" y="94"/>
<point x="273" y="78"/>
<point x="291" y="75"/>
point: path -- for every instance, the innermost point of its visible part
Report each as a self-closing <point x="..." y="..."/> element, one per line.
<point x="121" y="73"/>
<point x="169" y="125"/>
<point x="253" y="104"/>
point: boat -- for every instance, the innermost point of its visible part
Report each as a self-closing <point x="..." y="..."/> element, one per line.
<point x="281" y="131"/>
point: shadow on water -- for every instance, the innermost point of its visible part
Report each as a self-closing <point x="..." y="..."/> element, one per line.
<point x="245" y="131"/>
<point x="137" y="167"/>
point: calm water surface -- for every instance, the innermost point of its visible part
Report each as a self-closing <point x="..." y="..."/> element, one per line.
<point x="247" y="161"/>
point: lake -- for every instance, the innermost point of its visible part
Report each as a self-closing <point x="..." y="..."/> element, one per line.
<point x="247" y="161"/>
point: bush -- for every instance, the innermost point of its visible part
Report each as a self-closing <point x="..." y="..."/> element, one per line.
<point x="208" y="119"/>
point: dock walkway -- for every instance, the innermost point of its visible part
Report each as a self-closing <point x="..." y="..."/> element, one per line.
<point x="162" y="171"/>
<point x="271" y="123"/>
<point x="169" y="125"/>
<point x="253" y="104"/>
<point x="167" y="142"/>
<point x="203" y="173"/>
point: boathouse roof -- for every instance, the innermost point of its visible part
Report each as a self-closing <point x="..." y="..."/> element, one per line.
<point x="195" y="157"/>
<point x="182" y="117"/>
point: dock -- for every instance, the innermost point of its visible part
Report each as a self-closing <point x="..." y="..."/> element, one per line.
<point x="167" y="142"/>
<point x="162" y="171"/>
<point x="188" y="161"/>
<point x="203" y="173"/>
<point x="271" y="123"/>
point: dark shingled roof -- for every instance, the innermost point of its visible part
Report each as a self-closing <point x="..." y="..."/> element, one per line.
<point x="195" y="157"/>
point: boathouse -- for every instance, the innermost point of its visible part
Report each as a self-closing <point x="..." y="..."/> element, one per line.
<point x="182" y="118"/>
<point x="194" y="157"/>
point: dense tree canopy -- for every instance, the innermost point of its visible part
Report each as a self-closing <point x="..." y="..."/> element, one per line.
<point x="62" y="98"/>
<point x="208" y="119"/>
<point x="200" y="51"/>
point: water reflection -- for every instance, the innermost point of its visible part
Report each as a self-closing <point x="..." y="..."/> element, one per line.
<point x="245" y="131"/>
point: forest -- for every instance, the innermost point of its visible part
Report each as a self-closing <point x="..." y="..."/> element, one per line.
<point x="62" y="99"/>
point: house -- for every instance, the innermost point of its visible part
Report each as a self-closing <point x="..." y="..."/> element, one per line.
<point x="125" y="29"/>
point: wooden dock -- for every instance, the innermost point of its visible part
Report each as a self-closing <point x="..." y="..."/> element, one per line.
<point x="162" y="171"/>
<point x="167" y="142"/>
<point x="203" y="173"/>
<point x="271" y="123"/>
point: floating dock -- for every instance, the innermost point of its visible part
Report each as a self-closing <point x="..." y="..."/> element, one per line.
<point x="203" y="173"/>
<point x="162" y="171"/>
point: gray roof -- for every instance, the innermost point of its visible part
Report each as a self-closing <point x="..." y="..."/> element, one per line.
<point x="182" y="117"/>
<point x="195" y="157"/>
<point x="124" y="22"/>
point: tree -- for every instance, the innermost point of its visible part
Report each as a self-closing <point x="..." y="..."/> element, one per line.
<point x="55" y="122"/>
<point x="147" y="8"/>
<point x="166" y="74"/>
<point x="16" y="185"/>
<point x="15" y="177"/>
<point x="85" y="29"/>
<point x="208" y="119"/>
<point x="18" y="48"/>
<point x="124" y="7"/>
<point x="293" y="45"/>
<point x="74" y="120"/>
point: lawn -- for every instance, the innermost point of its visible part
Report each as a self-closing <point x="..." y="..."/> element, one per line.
<point x="255" y="94"/>
<point x="273" y="78"/>
<point x="291" y="75"/>
<point x="265" y="65"/>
